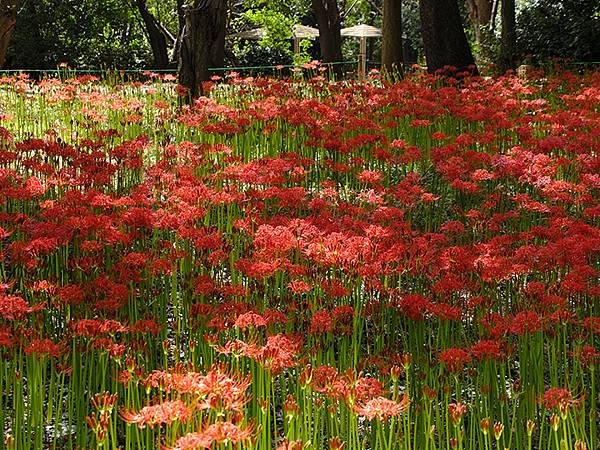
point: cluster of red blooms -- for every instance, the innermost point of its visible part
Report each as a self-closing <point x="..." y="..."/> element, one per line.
<point x="459" y="223"/>
<point x="216" y="433"/>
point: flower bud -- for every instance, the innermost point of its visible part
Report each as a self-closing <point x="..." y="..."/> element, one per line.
<point x="498" y="429"/>
<point x="484" y="425"/>
<point x="530" y="427"/>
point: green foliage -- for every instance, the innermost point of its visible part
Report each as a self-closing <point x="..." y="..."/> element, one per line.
<point x="82" y="33"/>
<point x="276" y="18"/>
<point x="276" y="25"/>
<point x="566" y="29"/>
<point x="292" y="9"/>
<point x="303" y="56"/>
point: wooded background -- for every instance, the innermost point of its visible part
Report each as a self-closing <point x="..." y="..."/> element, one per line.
<point x="158" y="34"/>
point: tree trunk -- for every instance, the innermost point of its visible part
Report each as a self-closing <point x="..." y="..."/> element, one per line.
<point x="480" y="12"/>
<point x="509" y="35"/>
<point x="444" y="38"/>
<point x="156" y="36"/>
<point x="329" y="22"/>
<point x="8" y="19"/>
<point x="181" y="21"/>
<point x="202" y="43"/>
<point x="392" y="59"/>
<point x="181" y="13"/>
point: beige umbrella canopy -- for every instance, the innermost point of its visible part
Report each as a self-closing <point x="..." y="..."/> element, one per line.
<point x="363" y="32"/>
<point x="255" y="34"/>
<point x="304" y="32"/>
<point x="299" y="32"/>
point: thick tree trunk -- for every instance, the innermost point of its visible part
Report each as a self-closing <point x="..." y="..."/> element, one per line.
<point x="509" y="35"/>
<point x="8" y="19"/>
<point x="202" y="43"/>
<point x="156" y="36"/>
<point x="480" y="12"/>
<point x="392" y="58"/>
<point x="444" y="38"/>
<point x="329" y="22"/>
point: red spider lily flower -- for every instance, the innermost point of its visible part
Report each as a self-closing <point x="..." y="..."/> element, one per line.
<point x="42" y="347"/>
<point x="454" y="359"/>
<point x="525" y="322"/>
<point x="364" y="388"/>
<point x="556" y="397"/>
<point x="415" y="306"/>
<point x="487" y="350"/>
<point x="280" y="352"/>
<point x="485" y="425"/>
<point x="592" y="324"/>
<point x="143" y="326"/>
<point x="321" y="378"/>
<point x="275" y="317"/>
<point x="33" y="188"/>
<point x="444" y="311"/>
<point x="321" y="322"/>
<point x="291" y="445"/>
<point x="216" y="433"/>
<point x="201" y="310"/>
<point x="96" y="327"/>
<point x="106" y="344"/>
<point x="216" y="389"/>
<point x="578" y="279"/>
<point x="382" y="409"/>
<point x="234" y="290"/>
<point x="372" y="177"/>
<point x="13" y="307"/>
<point x="457" y="411"/>
<point x="219" y="390"/>
<point x="343" y="318"/>
<point x="587" y="355"/>
<point x="274" y="241"/>
<point x="163" y="413"/>
<point x="6" y="338"/>
<point x="182" y="383"/>
<point x="336" y="443"/>
<point x="299" y="287"/>
<point x="335" y="289"/>
<point x="258" y="269"/>
<point x="250" y="319"/>
<point x="238" y="348"/>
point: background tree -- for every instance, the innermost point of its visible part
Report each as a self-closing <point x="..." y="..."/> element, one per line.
<point x="392" y="41"/>
<point x="444" y="38"/>
<point x="509" y="36"/>
<point x="480" y="13"/>
<point x="159" y="38"/>
<point x="329" y="23"/>
<point x="8" y="19"/>
<point x="86" y="34"/>
<point x="202" y="42"/>
<point x="565" y="29"/>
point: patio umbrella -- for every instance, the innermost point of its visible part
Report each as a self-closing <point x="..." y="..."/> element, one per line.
<point x="363" y="32"/>
<point x="299" y="32"/>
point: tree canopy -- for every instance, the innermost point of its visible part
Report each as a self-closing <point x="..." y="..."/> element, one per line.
<point x="129" y="34"/>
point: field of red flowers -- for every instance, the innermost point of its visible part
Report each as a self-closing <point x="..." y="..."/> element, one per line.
<point x="307" y="265"/>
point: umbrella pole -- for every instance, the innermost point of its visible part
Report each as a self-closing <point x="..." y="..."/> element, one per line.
<point x="362" y="58"/>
